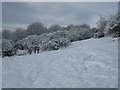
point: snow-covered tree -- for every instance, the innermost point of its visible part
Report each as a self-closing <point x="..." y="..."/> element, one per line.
<point x="82" y="26"/>
<point x="101" y="25"/>
<point x="63" y="28"/>
<point x="79" y="32"/>
<point x="54" y="28"/>
<point x="36" y="29"/>
<point x="18" y="34"/>
<point x="7" y="48"/>
<point x="113" y="25"/>
<point x="50" y="41"/>
<point x="70" y="26"/>
<point x="55" y="41"/>
<point x="78" y="26"/>
<point x="94" y="30"/>
<point x="6" y="34"/>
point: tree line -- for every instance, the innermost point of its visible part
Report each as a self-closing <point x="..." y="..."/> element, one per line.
<point x="38" y="37"/>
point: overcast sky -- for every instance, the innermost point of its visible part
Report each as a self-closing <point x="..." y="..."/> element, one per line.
<point x="0" y="18"/>
<point x="20" y="14"/>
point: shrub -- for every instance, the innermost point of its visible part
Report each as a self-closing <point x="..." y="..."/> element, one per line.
<point x="7" y="48"/>
<point x="51" y="41"/>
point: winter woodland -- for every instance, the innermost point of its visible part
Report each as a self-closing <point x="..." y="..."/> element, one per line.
<point x="38" y="38"/>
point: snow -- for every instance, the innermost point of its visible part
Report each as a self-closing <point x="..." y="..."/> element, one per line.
<point x="21" y="52"/>
<point x="0" y="63"/>
<point x="91" y="63"/>
<point x="0" y="72"/>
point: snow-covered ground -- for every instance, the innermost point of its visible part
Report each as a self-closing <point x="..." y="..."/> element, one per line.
<point x="21" y="52"/>
<point x="91" y="63"/>
<point x="0" y="72"/>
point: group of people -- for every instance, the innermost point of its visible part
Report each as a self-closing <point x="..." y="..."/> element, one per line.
<point x="114" y="37"/>
<point x="35" y="50"/>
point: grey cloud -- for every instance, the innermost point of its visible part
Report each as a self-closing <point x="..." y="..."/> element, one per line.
<point x="56" y="12"/>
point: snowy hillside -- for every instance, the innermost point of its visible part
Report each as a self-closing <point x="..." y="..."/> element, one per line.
<point x="91" y="63"/>
<point x="0" y="73"/>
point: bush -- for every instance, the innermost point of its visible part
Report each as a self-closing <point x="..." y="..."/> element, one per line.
<point x="51" y="41"/>
<point x="55" y="44"/>
<point x="7" y="48"/>
<point x="76" y="34"/>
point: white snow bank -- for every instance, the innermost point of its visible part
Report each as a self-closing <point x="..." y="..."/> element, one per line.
<point x="91" y="63"/>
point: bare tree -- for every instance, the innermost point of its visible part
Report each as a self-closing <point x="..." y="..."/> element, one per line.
<point x="101" y="24"/>
<point x="6" y="34"/>
<point x="70" y="26"/>
<point x="19" y="34"/>
<point x="36" y="29"/>
<point x="113" y="25"/>
<point x="54" y="27"/>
